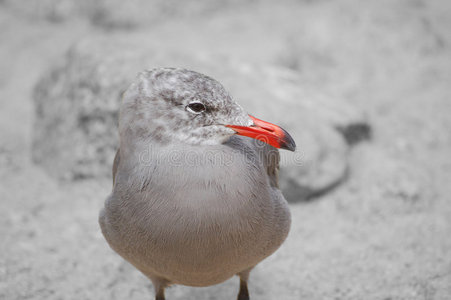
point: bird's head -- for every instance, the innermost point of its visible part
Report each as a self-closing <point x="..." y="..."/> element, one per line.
<point x="176" y="105"/>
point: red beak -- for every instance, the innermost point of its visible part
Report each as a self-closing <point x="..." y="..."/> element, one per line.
<point x="266" y="132"/>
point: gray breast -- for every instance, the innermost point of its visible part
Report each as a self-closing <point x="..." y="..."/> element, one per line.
<point x="197" y="224"/>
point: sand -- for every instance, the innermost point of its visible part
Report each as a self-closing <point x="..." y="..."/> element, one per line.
<point x="384" y="233"/>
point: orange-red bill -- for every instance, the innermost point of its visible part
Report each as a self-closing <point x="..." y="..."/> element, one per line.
<point x="266" y="132"/>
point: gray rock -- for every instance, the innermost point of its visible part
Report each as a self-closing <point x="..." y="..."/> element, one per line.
<point x="117" y="14"/>
<point x="125" y="15"/>
<point x="75" y="133"/>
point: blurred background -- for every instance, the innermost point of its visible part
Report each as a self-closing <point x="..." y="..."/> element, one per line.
<point x="364" y="87"/>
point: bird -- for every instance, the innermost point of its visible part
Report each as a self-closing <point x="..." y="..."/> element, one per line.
<point x="195" y="198"/>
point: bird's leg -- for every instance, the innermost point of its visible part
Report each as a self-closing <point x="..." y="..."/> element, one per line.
<point x="243" y="294"/>
<point x="159" y="285"/>
<point x="160" y="294"/>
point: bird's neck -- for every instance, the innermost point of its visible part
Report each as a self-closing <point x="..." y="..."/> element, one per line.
<point x="144" y="154"/>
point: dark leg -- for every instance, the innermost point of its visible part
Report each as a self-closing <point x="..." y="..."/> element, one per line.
<point x="160" y="294"/>
<point x="159" y="284"/>
<point x="243" y="293"/>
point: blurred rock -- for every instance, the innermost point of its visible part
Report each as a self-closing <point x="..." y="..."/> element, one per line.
<point x="77" y="103"/>
<point x="116" y="14"/>
<point x="130" y="14"/>
<point x="54" y="11"/>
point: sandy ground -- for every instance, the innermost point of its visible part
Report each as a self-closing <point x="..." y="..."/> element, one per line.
<point x="384" y="234"/>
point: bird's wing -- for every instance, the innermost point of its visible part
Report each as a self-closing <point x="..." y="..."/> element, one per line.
<point x="270" y="157"/>
<point x="117" y="158"/>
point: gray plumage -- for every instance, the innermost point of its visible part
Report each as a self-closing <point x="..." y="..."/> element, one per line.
<point x="192" y="203"/>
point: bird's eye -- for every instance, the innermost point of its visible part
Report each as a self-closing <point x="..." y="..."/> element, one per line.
<point x="196" y="107"/>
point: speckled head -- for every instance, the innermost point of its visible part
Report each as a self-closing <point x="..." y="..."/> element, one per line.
<point x="178" y="105"/>
<point x="167" y="106"/>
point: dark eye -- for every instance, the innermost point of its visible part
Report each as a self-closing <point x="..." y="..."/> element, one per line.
<point x="196" y="107"/>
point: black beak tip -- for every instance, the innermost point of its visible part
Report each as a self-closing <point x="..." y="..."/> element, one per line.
<point x="288" y="142"/>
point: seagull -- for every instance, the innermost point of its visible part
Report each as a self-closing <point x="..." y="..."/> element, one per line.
<point x="195" y="197"/>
